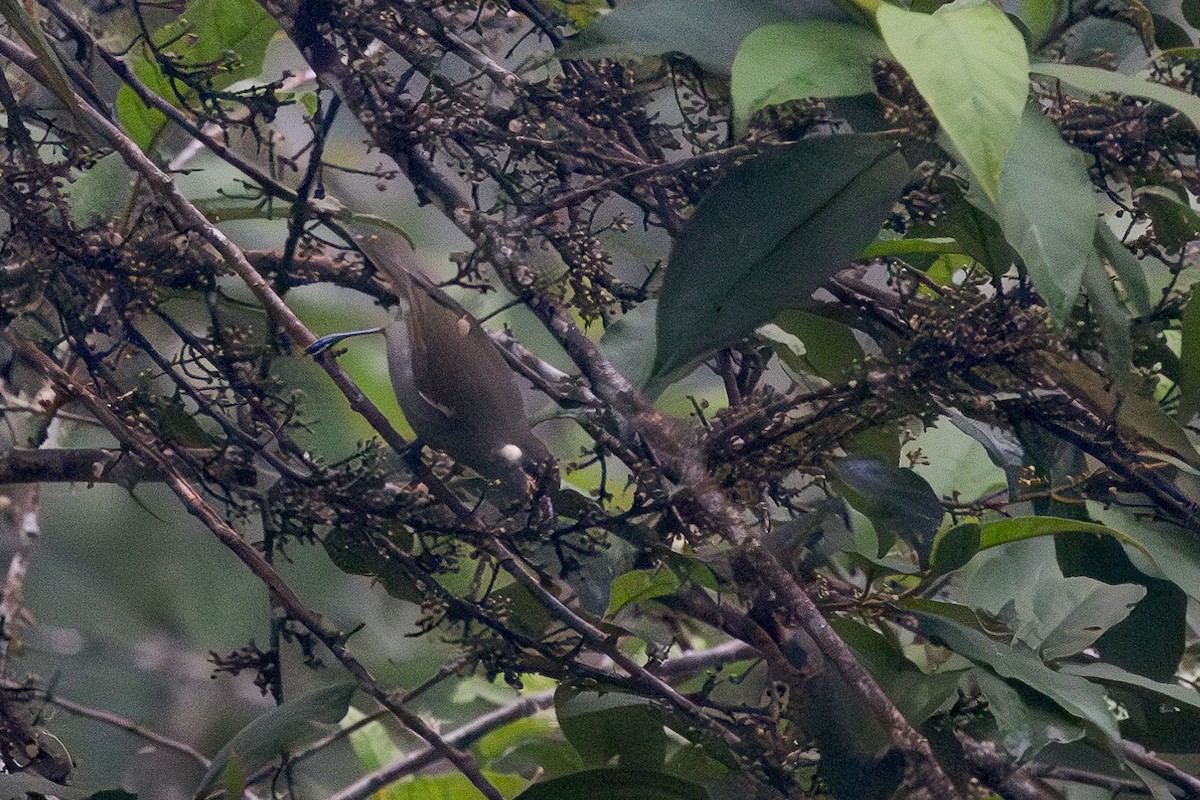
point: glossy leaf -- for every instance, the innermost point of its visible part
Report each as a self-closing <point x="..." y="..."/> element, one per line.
<point x="448" y="786"/>
<point x="277" y="731"/>
<point x="1017" y="662"/>
<point x="954" y="547"/>
<point x="614" y="784"/>
<point x="969" y="63"/>
<point x="1096" y="80"/>
<point x="1048" y="211"/>
<point x="795" y="60"/>
<point x="768" y="235"/>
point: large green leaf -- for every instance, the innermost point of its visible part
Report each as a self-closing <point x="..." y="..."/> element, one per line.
<point x="1096" y="80"/>
<point x="830" y="348"/>
<point x="277" y="731"/>
<point x="1078" y="697"/>
<point x="1048" y="210"/>
<point x="794" y="60"/>
<point x="1025" y="727"/>
<point x="605" y="726"/>
<point x="969" y="63"/>
<point x="614" y="784"/>
<point x="1056" y="615"/>
<point x="208" y="32"/>
<point x="768" y="235"/>
<point x="955" y="547"/>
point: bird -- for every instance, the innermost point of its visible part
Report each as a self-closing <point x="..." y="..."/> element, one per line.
<point x="456" y="390"/>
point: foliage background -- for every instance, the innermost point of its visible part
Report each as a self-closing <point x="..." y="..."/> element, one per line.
<point x="128" y="594"/>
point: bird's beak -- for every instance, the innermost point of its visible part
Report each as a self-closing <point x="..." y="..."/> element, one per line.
<point x="326" y="342"/>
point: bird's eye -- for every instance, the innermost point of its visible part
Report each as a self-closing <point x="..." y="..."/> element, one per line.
<point x="511" y="453"/>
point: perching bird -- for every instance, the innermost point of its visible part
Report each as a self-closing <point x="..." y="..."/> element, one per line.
<point x="456" y="390"/>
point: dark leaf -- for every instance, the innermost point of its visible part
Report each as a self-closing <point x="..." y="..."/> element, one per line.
<point x="899" y="502"/>
<point x="1075" y="695"/>
<point x="769" y="234"/>
<point x="602" y="727"/>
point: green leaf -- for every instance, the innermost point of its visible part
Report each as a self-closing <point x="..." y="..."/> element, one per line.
<point x="795" y="60"/>
<point x="640" y="584"/>
<point x="1017" y="529"/>
<point x="629" y="344"/>
<point x="1039" y="16"/>
<point x="1128" y="268"/>
<point x="449" y="786"/>
<point x="1016" y="661"/>
<point x="1048" y="211"/>
<point x="207" y="32"/>
<point x="1052" y="613"/>
<point x="1139" y="418"/>
<point x="602" y="727"/>
<point x="100" y="193"/>
<point x="614" y="784"/>
<point x="1107" y="673"/>
<point x="1025" y="729"/>
<point x="768" y="235"/>
<point x="1113" y="321"/>
<point x="969" y="63"/>
<point x="830" y="348"/>
<point x="902" y="248"/>
<point x="1095" y="80"/>
<point x="1083" y="614"/>
<point x="954" y="547"/>
<point x="372" y="744"/>
<point x="1176" y="224"/>
<point x="899" y="502"/>
<point x="707" y="30"/>
<point x="1171" y="556"/>
<point x="1189" y="359"/>
<point x="277" y="731"/>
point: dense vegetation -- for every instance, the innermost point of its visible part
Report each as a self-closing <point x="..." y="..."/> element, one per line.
<point x="863" y="337"/>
